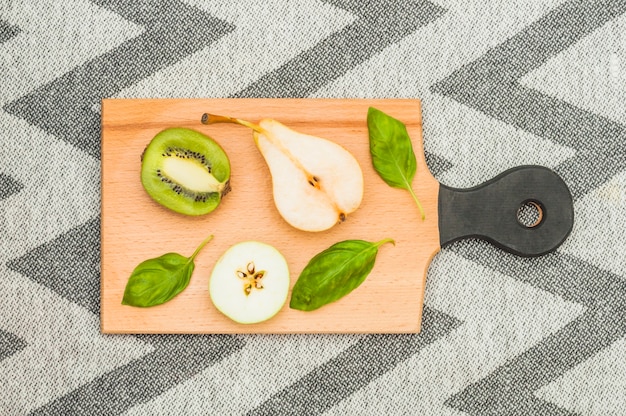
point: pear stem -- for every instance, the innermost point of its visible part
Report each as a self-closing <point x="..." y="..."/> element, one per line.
<point x="214" y="119"/>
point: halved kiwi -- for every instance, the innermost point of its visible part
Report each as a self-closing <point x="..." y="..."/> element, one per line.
<point x="185" y="171"/>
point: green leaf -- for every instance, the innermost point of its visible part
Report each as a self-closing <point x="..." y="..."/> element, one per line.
<point x="334" y="273"/>
<point x="158" y="280"/>
<point x="392" y="151"/>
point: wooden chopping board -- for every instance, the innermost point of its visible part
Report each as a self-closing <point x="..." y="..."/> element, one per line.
<point x="135" y="228"/>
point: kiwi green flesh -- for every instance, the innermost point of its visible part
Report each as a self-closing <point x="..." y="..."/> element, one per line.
<point x="185" y="171"/>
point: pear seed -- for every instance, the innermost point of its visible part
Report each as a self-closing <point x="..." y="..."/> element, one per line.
<point x="247" y="288"/>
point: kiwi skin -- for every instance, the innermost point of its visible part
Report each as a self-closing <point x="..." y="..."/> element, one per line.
<point x="192" y="149"/>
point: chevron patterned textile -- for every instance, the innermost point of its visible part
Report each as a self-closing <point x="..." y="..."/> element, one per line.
<point x="502" y="82"/>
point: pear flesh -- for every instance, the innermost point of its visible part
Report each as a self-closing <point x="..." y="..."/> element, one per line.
<point x="316" y="182"/>
<point x="250" y="282"/>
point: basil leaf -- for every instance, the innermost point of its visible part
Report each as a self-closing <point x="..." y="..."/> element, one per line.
<point x="156" y="281"/>
<point x="334" y="273"/>
<point x="392" y="151"/>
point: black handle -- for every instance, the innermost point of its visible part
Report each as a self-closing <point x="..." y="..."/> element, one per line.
<point x="490" y="211"/>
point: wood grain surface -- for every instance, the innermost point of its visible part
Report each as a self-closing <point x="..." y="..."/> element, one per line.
<point x="134" y="228"/>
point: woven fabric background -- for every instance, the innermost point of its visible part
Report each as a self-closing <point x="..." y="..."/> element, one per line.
<point x="503" y="83"/>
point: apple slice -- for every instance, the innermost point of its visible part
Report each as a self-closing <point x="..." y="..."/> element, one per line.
<point x="250" y="282"/>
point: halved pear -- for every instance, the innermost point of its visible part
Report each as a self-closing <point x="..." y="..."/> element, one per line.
<point x="250" y="282"/>
<point x="316" y="182"/>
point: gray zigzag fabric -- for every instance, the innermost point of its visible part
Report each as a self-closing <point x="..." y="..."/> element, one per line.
<point x="7" y="31"/>
<point x="8" y="186"/>
<point x="503" y="83"/>
<point x="9" y="344"/>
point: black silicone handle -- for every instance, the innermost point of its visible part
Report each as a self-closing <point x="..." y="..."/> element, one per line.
<point x="490" y="211"/>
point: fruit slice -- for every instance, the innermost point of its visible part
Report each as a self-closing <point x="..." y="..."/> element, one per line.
<point x="185" y="171"/>
<point x="316" y="182"/>
<point x="249" y="283"/>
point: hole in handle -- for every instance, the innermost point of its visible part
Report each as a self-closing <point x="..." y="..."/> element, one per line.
<point x="530" y="214"/>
